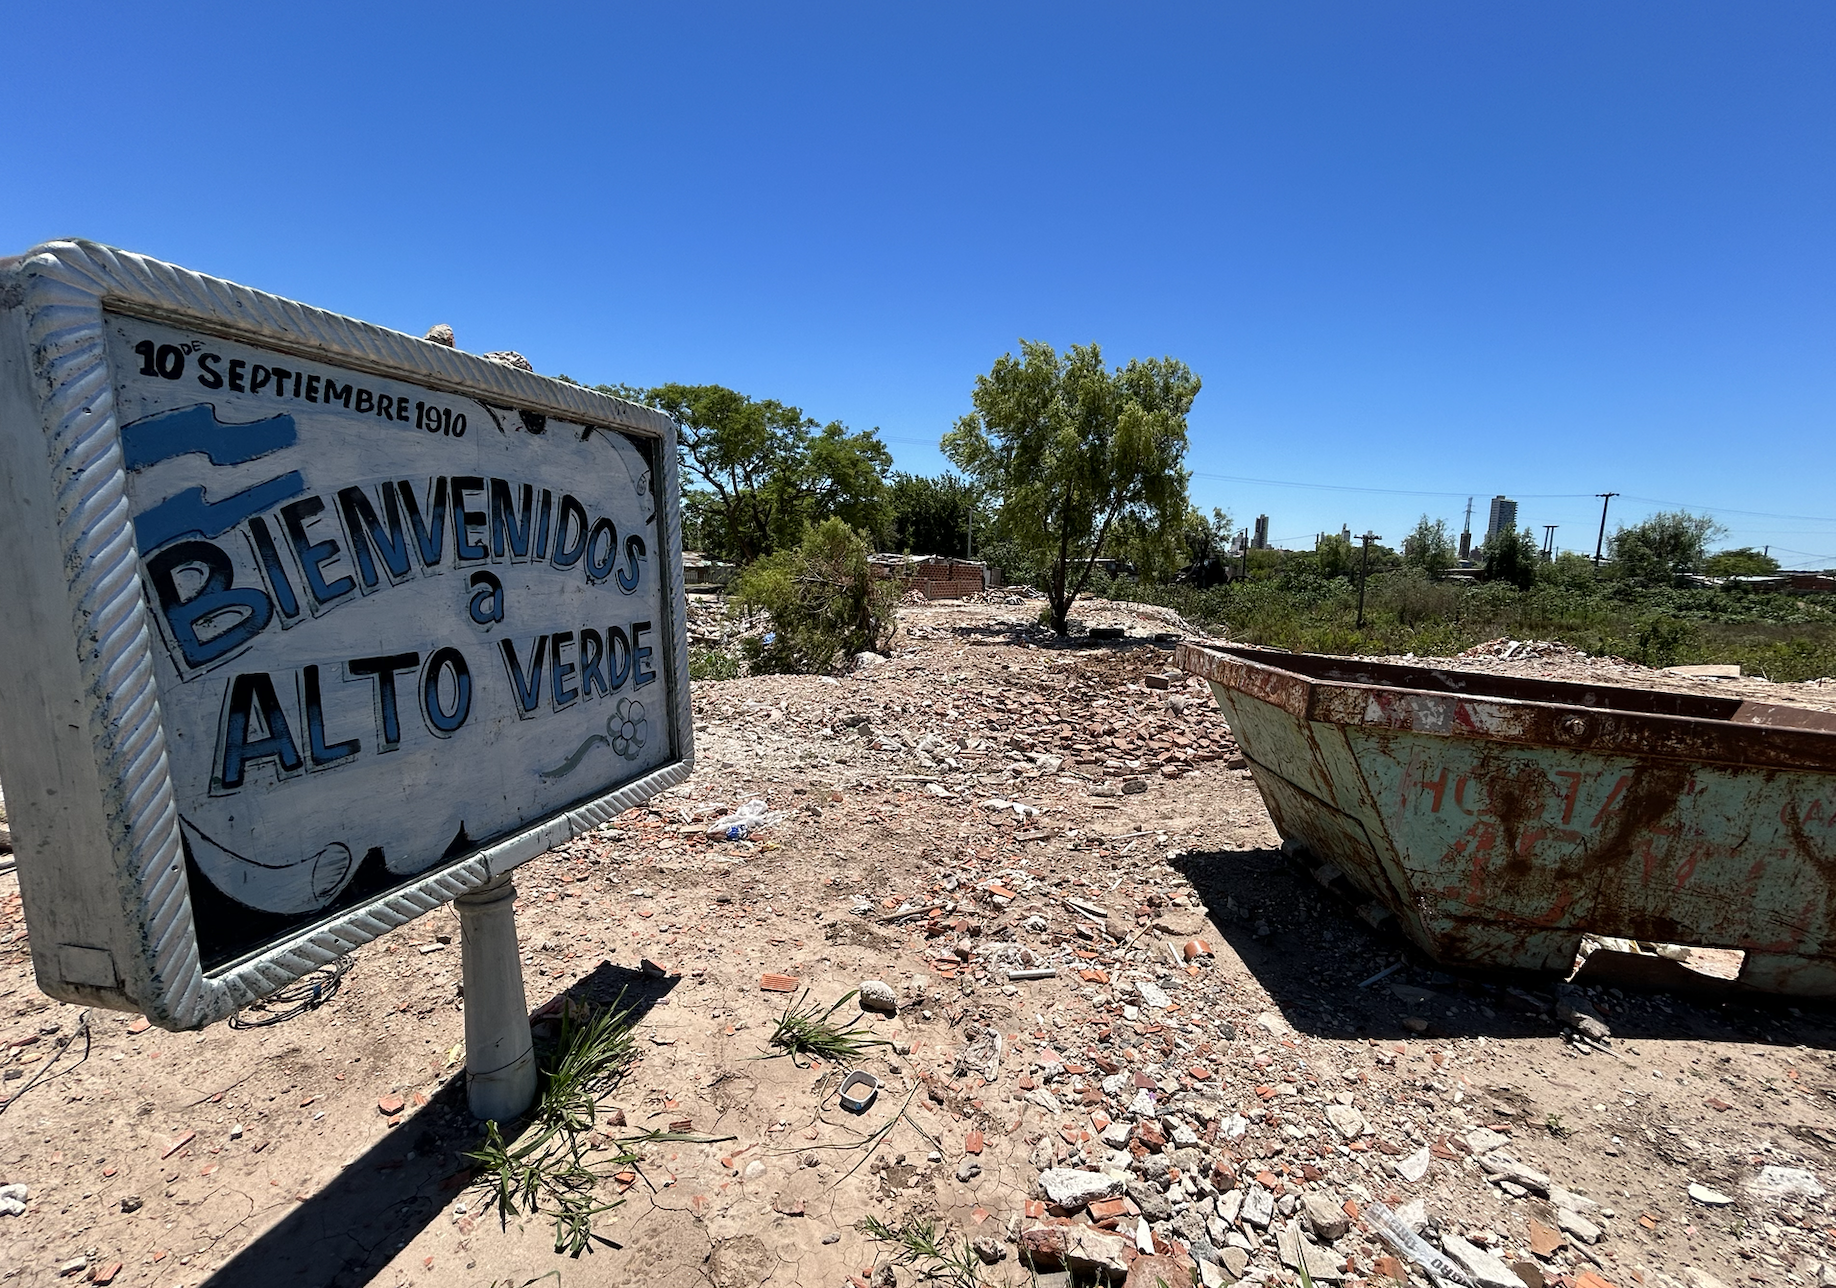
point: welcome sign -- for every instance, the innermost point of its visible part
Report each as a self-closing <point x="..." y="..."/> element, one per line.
<point x="340" y="624"/>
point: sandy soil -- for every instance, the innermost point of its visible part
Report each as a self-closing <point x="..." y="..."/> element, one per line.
<point x="983" y="780"/>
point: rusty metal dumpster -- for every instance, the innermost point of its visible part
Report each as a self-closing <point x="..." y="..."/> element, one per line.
<point x="1501" y="818"/>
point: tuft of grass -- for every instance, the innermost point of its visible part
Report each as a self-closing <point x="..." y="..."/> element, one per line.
<point x="806" y="1030"/>
<point x="545" y="1169"/>
<point x="1556" y="1127"/>
<point x="918" y="1244"/>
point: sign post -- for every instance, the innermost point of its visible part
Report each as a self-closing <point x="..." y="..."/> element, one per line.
<point x="500" y="1072"/>
<point x="310" y="627"/>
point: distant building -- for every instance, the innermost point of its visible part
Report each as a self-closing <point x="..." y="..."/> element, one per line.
<point x="1262" y="532"/>
<point x="1503" y="518"/>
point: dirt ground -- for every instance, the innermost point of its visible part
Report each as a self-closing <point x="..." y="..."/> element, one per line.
<point x="1241" y="1099"/>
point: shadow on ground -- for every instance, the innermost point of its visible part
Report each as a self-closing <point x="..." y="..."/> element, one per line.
<point x="346" y="1233"/>
<point x="1312" y="953"/>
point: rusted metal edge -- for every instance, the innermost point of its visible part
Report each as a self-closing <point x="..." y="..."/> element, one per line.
<point x="1471" y="704"/>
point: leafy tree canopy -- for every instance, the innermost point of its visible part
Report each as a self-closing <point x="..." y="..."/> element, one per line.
<point x="1742" y="562"/>
<point x="1070" y="447"/>
<point x="1429" y="548"/>
<point x="1206" y="539"/>
<point x="756" y="471"/>
<point x="1665" y="548"/>
<point x="1513" y="557"/>
<point x="934" y="516"/>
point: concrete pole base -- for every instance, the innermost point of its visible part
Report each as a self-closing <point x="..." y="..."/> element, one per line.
<point x="500" y="1070"/>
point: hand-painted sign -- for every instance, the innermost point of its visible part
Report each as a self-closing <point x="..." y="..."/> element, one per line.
<point x="358" y="622"/>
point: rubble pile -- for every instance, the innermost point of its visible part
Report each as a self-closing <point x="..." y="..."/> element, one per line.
<point x="1126" y="1037"/>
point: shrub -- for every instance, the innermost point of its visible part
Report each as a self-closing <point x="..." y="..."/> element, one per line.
<point x="712" y="664"/>
<point x="824" y="602"/>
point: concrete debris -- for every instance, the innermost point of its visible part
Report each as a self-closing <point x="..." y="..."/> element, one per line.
<point x="879" y="996"/>
<point x="1485" y="1270"/>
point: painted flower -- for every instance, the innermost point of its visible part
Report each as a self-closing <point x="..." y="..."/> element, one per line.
<point x="628" y="728"/>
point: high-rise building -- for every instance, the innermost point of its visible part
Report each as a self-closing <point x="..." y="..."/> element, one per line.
<point x="1503" y="518"/>
<point x="1262" y="532"/>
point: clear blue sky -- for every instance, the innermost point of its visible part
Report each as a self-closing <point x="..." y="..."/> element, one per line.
<point x="1423" y="250"/>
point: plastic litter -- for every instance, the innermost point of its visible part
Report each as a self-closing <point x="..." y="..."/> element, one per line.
<point x="858" y="1091"/>
<point x="1396" y="1232"/>
<point x="744" y="821"/>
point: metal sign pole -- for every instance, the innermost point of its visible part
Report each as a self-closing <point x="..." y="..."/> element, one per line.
<point x="500" y="1070"/>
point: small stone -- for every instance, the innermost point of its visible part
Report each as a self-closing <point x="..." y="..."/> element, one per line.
<point x="989" y="1250"/>
<point x="1501" y="1165"/>
<point x="1710" y="1198"/>
<point x="1578" y="1225"/>
<point x="1150" y="1202"/>
<point x="833" y="1236"/>
<point x="1297" y="1250"/>
<point x="968" y="1170"/>
<point x="1778" y="1184"/>
<point x="1159" y="1272"/>
<point x="1348" y="1122"/>
<point x="1235" y="1260"/>
<point x="1485" y="1269"/>
<point x="132" y="1202"/>
<point x="440" y="333"/>
<point x="1152" y="995"/>
<point x="1043" y="1246"/>
<point x="510" y="358"/>
<point x="1415" y="1166"/>
<point x="1326" y="1218"/>
<point x="1579" y="1014"/>
<point x="879" y="996"/>
<point x="1258" y="1207"/>
<point x="754" y="1170"/>
<point x="1091" y="1249"/>
<point x="1072" y="1188"/>
<point x="1483" y="1140"/>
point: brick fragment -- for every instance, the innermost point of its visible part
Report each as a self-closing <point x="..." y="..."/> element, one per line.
<point x="775" y="983"/>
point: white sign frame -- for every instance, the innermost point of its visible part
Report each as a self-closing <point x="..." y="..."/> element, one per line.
<point x="83" y="744"/>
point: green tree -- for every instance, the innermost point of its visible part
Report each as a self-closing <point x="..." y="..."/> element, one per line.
<point x="1207" y="547"/>
<point x="757" y="470"/>
<point x="1742" y="562"/>
<point x="1513" y="557"/>
<point x="1429" y="548"/>
<point x="1336" y="556"/>
<point x="934" y="516"/>
<point x="1070" y="447"/>
<point x="1665" y="548"/>
<point x="825" y="603"/>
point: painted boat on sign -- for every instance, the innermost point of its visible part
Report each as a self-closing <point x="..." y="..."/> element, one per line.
<point x="1501" y="819"/>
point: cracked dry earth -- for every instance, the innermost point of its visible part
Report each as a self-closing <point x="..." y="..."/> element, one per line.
<point x="1204" y="1075"/>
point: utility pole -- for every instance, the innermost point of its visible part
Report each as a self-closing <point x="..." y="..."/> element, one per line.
<point x="1549" y="541"/>
<point x="1364" y="569"/>
<point x="1246" y="554"/>
<point x="1600" y="545"/>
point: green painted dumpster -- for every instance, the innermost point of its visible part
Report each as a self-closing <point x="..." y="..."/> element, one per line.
<point x="1501" y="818"/>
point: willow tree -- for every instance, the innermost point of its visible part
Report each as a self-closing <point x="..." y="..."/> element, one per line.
<point x="1070" y="448"/>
